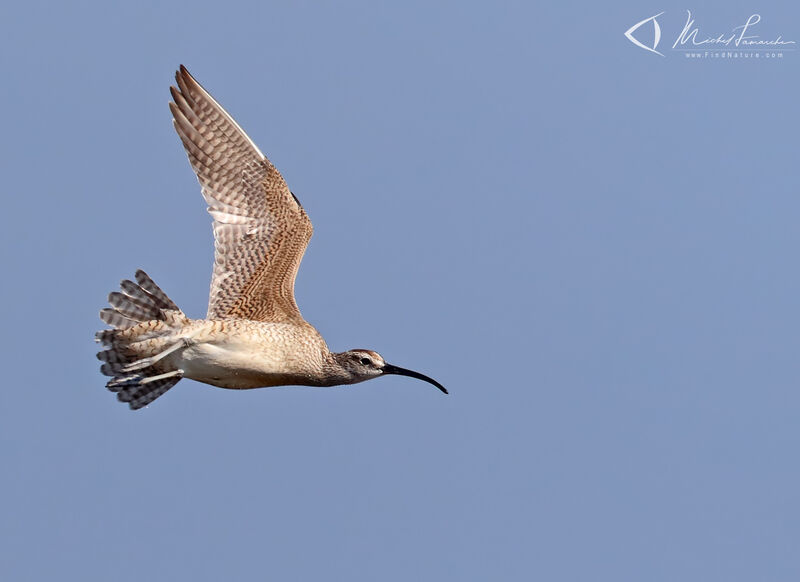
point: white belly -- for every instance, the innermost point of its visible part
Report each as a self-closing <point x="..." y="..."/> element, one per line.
<point x="245" y="360"/>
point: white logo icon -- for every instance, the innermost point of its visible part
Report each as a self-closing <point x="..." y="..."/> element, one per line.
<point x="656" y="34"/>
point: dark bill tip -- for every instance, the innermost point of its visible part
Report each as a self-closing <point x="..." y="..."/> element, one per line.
<point x="389" y="369"/>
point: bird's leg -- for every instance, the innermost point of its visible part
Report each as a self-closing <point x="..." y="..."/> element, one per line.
<point x="139" y="380"/>
<point x="164" y="376"/>
<point x="146" y="362"/>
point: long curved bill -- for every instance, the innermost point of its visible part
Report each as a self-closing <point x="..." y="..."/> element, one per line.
<point x="389" y="369"/>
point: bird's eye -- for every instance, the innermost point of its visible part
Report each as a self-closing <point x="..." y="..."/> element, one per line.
<point x="366" y="361"/>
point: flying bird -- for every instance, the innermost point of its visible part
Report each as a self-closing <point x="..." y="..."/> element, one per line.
<point x="253" y="335"/>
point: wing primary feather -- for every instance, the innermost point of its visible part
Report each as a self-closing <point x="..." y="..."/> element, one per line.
<point x="189" y="86"/>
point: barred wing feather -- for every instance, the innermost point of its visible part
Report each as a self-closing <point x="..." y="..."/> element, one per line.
<point x="260" y="229"/>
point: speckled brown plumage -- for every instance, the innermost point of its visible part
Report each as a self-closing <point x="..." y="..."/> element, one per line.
<point x="254" y="335"/>
<point x="260" y="230"/>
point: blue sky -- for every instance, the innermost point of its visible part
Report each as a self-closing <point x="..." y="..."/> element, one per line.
<point x="591" y="245"/>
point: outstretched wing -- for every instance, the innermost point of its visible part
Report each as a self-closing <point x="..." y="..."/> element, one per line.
<point x="260" y="229"/>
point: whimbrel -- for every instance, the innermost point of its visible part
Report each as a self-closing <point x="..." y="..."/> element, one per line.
<point x="253" y="335"/>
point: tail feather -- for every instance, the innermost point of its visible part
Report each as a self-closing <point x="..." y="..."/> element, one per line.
<point x="105" y="336"/>
<point x="145" y="322"/>
<point x="113" y="362"/>
<point x="133" y="308"/>
<point x="140" y="294"/>
<point x="138" y="394"/>
<point x="148" y="285"/>
<point x="115" y="319"/>
<point x="109" y="369"/>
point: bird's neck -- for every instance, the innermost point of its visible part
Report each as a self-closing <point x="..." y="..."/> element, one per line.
<point x="334" y="372"/>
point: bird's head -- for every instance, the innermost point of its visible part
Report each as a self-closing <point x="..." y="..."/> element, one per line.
<point x="360" y="365"/>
